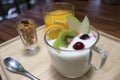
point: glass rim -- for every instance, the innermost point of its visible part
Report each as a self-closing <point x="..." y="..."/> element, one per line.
<point x="24" y="19"/>
<point x="98" y="36"/>
<point x="58" y="3"/>
<point x="18" y="22"/>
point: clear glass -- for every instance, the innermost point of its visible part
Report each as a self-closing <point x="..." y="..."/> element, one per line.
<point x="74" y="63"/>
<point x="27" y="31"/>
<point x="56" y="13"/>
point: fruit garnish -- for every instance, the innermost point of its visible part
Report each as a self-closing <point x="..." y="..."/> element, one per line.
<point x="62" y="39"/>
<point x="73" y="23"/>
<point x="76" y="25"/>
<point x="54" y="30"/>
<point x="85" y="26"/>
<point x="69" y="39"/>
<point x="84" y="36"/>
<point x="56" y="44"/>
<point x="78" y="46"/>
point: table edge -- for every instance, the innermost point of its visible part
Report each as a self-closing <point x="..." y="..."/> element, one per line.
<point x="42" y="26"/>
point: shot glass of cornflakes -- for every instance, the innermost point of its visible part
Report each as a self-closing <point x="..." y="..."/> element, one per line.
<point x="27" y="31"/>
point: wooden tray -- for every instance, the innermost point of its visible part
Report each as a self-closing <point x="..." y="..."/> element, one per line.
<point x="40" y="64"/>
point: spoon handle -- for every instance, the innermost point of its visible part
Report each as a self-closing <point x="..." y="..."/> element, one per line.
<point x="28" y="74"/>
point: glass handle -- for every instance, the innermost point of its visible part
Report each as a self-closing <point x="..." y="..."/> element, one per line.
<point x="104" y="56"/>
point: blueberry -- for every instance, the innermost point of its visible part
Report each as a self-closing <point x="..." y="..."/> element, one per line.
<point x="84" y="36"/>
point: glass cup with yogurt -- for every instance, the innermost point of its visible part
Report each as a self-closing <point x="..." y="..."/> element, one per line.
<point x="73" y="63"/>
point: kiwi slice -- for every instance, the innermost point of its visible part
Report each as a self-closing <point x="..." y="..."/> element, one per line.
<point x="56" y="44"/>
<point x="64" y="37"/>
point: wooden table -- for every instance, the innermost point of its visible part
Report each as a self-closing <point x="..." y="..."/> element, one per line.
<point x="103" y="16"/>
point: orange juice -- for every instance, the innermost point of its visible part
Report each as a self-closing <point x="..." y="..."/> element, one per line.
<point x="57" y="17"/>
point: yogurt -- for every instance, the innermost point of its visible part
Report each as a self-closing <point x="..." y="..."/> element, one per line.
<point x="70" y="62"/>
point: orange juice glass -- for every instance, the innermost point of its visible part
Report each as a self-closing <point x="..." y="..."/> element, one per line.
<point x="56" y="13"/>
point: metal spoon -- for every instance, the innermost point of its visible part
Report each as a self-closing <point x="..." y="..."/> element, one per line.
<point x="16" y="67"/>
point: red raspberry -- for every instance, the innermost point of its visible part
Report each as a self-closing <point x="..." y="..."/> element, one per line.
<point x="78" y="46"/>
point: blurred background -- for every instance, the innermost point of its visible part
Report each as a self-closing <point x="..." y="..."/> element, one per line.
<point x="12" y="8"/>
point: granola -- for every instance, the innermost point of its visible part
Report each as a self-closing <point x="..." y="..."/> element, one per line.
<point x="26" y="29"/>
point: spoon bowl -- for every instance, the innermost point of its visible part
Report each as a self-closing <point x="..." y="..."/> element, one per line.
<point x="14" y="66"/>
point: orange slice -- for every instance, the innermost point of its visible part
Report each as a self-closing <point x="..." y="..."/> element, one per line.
<point x="54" y="30"/>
